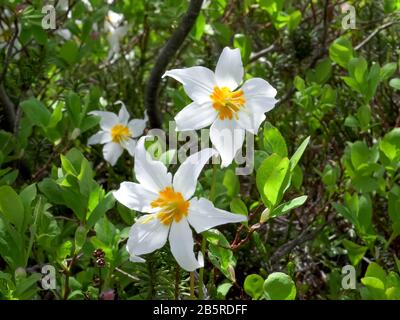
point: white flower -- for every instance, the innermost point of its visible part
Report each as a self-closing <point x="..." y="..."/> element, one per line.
<point x="171" y="207"/>
<point x="64" y="33"/>
<point x="221" y="101"/>
<point x="117" y="133"/>
<point x="116" y="32"/>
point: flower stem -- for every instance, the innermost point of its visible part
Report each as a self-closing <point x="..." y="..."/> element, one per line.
<point x="201" y="272"/>
<point x="177" y="281"/>
<point x="203" y="239"/>
<point x="192" y="296"/>
<point x="213" y="183"/>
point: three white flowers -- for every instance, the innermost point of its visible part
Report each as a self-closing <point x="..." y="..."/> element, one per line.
<point x="221" y="101"/>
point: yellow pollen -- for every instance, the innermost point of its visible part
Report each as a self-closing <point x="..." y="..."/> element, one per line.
<point x="173" y="206"/>
<point x="227" y="102"/>
<point x="120" y="133"/>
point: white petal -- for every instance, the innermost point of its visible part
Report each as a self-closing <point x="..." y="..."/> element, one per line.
<point x="181" y="243"/>
<point x="108" y="119"/>
<point x="260" y="98"/>
<point x="64" y="33"/>
<point x="227" y="137"/>
<point x="111" y="152"/>
<point x="135" y="197"/>
<point x="123" y="114"/>
<point x="229" y="71"/>
<point x="129" y="145"/>
<point x="195" y="116"/>
<point x="185" y="178"/>
<point x="246" y="120"/>
<point x="151" y="174"/>
<point x="136" y="127"/>
<point x="100" y="137"/>
<point x="260" y="91"/>
<point x="198" y="82"/>
<point x="203" y="215"/>
<point x="146" y="235"/>
<point x="114" y="17"/>
<point x="133" y="257"/>
<point x="120" y="32"/>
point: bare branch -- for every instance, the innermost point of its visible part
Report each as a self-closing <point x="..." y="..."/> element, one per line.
<point x="165" y="56"/>
<point x="374" y="33"/>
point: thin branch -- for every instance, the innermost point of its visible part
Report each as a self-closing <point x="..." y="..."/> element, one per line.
<point x="8" y="105"/>
<point x="9" y="51"/>
<point x="305" y="236"/>
<point x="9" y="108"/>
<point x="374" y="33"/>
<point x="255" y="56"/>
<point x="165" y="56"/>
<point x="127" y="274"/>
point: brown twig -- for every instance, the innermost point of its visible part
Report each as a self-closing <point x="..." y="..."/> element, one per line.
<point x="163" y="59"/>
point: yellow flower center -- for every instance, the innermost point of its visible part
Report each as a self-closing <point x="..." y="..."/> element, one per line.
<point x="173" y="206"/>
<point x="120" y="133"/>
<point x="227" y="102"/>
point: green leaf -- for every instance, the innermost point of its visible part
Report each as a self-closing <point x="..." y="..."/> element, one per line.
<point x="279" y="286"/>
<point x="89" y="122"/>
<point x="244" y="44"/>
<point x="198" y="29"/>
<point x="106" y="204"/>
<point x="299" y="83"/>
<point x="254" y="286"/>
<point x="56" y="116"/>
<point x="231" y="183"/>
<point x="294" y="20"/>
<point x="373" y="283"/>
<point x="287" y="206"/>
<point x="346" y="213"/>
<point x="273" y="141"/>
<point x="354" y="251"/>
<point x="395" y="83"/>
<point x="358" y="68"/>
<point x="36" y="112"/>
<point x="323" y="71"/>
<point x="373" y="81"/>
<point x="80" y="238"/>
<point x="11" y="206"/>
<point x="69" y="52"/>
<point x="238" y="206"/>
<point x="220" y="254"/>
<point x="223" y="290"/>
<point x="365" y="214"/>
<point x="390" y="145"/>
<point x="74" y="108"/>
<point x="294" y="160"/>
<point x="271" y="178"/>
<point x="341" y="51"/>
<point x="376" y="271"/>
<point x="388" y="70"/>
<point x="364" y="117"/>
<point x="360" y="153"/>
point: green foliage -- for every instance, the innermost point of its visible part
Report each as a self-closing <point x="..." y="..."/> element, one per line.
<point x="277" y="286"/>
<point x="379" y="285"/>
<point x="74" y="187"/>
<point x="325" y="188"/>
